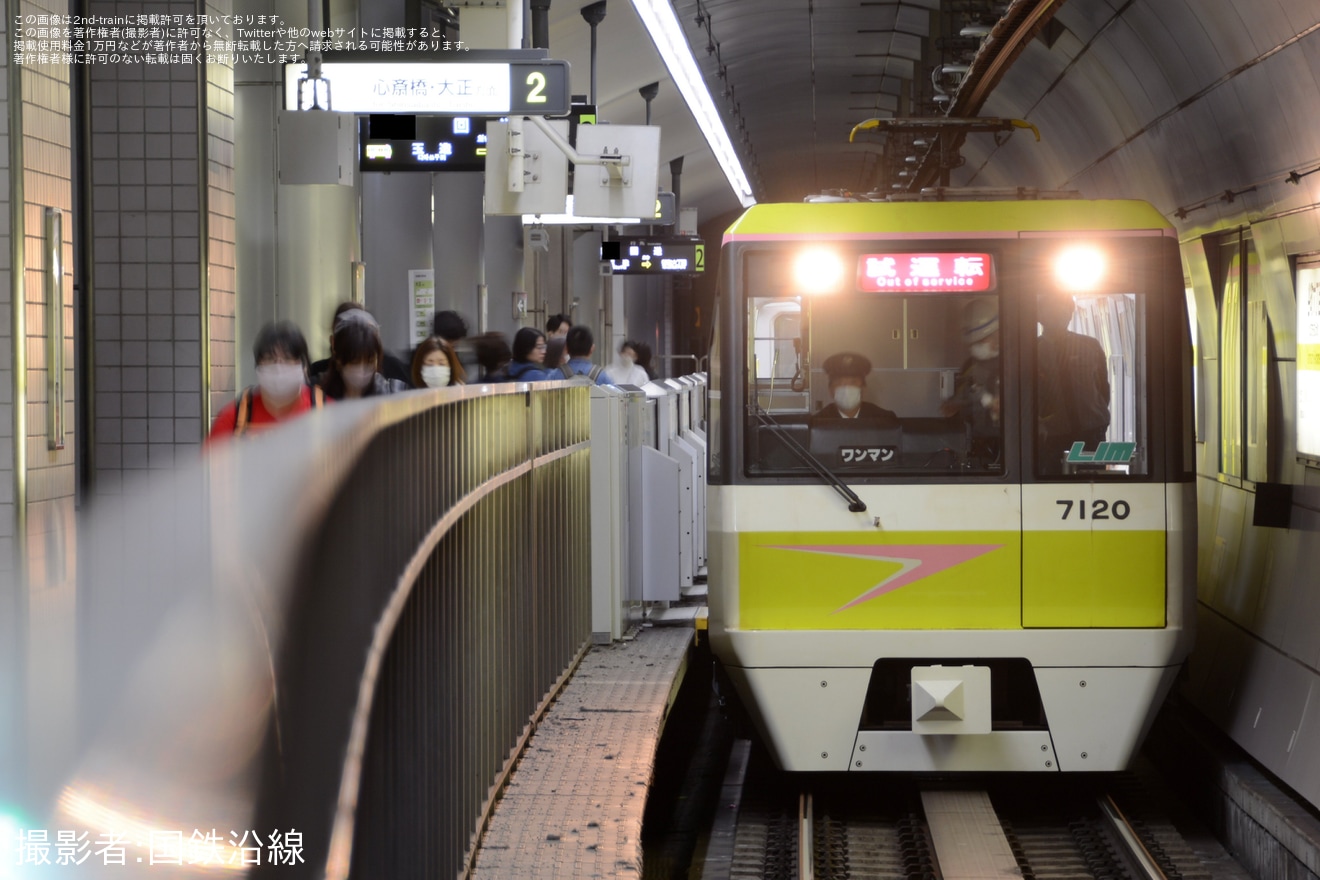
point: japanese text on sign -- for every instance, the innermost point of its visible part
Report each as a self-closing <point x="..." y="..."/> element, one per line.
<point x="862" y="454"/>
<point x="925" y="273"/>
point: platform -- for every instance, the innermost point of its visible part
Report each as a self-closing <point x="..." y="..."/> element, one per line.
<point x="573" y="806"/>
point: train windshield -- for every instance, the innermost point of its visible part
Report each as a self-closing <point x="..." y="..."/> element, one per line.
<point x="895" y="364"/>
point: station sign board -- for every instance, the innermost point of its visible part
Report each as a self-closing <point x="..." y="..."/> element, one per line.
<point x="437" y="87"/>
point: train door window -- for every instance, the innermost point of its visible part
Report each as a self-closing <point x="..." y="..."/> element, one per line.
<point x="1235" y="265"/>
<point x="1260" y="361"/>
<point x="1090" y="384"/>
<point x="1308" y="358"/>
<point x="1198" y="405"/>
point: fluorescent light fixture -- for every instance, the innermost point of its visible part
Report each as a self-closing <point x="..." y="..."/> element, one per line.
<point x="568" y="219"/>
<point x="667" y="34"/>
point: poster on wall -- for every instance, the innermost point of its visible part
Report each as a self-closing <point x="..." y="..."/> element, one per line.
<point x="421" y="288"/>
<point x="1308" y="360"/>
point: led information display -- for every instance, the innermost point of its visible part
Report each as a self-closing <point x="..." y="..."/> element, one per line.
<point x="925" y="273"/>
<point x="634" y="255"/>
<point x="527" y="88"/>
<point x="459" y="145"/>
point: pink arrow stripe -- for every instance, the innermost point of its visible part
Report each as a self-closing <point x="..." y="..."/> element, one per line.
<point x="919" y="561"/>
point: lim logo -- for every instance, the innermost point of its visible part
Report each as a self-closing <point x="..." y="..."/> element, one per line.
<point x="1106" y="451"/>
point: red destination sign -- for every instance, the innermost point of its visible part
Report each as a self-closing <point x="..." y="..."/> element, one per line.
<point x="925" y="273"/>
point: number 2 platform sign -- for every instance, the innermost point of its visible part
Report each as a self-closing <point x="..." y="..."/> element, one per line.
<point x="538" y="87"/>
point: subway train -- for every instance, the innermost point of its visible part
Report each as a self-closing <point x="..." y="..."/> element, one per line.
<point x="951" y="505"/>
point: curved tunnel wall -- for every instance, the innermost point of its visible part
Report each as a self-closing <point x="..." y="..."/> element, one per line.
<point x="1202" y="108"/>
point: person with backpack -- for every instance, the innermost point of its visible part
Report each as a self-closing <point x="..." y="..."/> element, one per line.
<point x="528" y="364"/>
<point x="282" y="391"/>
<point x="580" y="345"/>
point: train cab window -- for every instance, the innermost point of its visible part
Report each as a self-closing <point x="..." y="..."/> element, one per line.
<point x="875" y="382"/>
<point x="1090" y="385"/>
<point x="776" y="324"/>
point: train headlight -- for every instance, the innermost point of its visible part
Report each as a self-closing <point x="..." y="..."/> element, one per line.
<point x="1080" y="268"/>
<point x="818" y="270"/>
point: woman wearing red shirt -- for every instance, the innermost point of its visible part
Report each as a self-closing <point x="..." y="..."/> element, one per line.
<point x="281" y="391"/>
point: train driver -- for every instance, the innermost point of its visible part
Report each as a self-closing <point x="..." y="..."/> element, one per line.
<point x="847" y="373"/>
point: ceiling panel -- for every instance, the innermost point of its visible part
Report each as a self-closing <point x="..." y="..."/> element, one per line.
<point x="913" y="20"/>
<point x="1096" y="88"/>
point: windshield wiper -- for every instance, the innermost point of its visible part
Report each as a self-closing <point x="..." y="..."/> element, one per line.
<point x="855" y="503"/>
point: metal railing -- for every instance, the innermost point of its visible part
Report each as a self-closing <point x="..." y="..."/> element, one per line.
<point x="344" y="629"/>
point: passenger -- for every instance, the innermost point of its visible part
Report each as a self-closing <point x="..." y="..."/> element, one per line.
<point x="436" y="366"/>
<point x="625" y="370"/>
<point x="281" y="392"/>
<point x="581" y="345"/>
<point x="529" y="357"/>
<point x="556" y="352"/>
<point x="977" y="387"/>
<point x="847" y="372"/>
<point x="1072" y="386"/>
<point x="355" y="359"/>
<point x="450" y="326"/>
<point x="494" y="356"/>
<point x="558" y="325"/>
<point x="392" y="367"/>
<point x="644" y="360"/>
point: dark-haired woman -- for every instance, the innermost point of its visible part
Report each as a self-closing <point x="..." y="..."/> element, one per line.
<point x="355" y="358"/>
<point x="529" y="357"/>
<point x="281" y="391"/>
<point x="493" y="355"/>
<point x="435" y="365"/>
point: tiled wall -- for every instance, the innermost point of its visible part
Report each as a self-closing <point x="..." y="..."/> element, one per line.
<point x="221" y="223"/>
<point x="150" y="231"/>
<point x="47" y="168"/>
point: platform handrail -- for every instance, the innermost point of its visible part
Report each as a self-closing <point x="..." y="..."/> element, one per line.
<point x="273" y="635"/>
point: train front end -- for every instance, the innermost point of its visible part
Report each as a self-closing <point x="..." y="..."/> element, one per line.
<point x="983" y="557"/>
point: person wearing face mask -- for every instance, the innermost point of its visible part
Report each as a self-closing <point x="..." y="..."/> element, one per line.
<point x="355" y="358"/>
<point x="625" y="370"/>
<point x="281" y="391"/>
<point x="436" y="366"/>
<point x="847" y="372"/>
<point x="976" y="389"/>
<point x="390" y="367"/>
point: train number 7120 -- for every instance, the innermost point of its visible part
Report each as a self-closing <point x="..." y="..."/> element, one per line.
<point x="1099" y="509"/>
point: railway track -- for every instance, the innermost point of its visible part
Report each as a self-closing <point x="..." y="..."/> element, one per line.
<point x="890" y="828"/>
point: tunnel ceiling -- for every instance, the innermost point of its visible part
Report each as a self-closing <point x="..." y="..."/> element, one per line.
<point x="1187" y="103"/>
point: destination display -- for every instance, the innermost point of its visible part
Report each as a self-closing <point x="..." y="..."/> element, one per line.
<point x="457" y="144"/>
<point x="652" y="255"/>
<point x="925" y="273"/>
